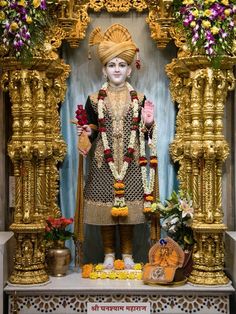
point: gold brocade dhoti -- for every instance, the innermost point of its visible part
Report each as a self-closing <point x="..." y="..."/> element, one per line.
<point x="126" y="238"/>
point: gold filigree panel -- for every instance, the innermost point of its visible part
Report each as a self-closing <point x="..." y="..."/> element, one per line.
<point x="73" y="17"/>
<point x="115" y="6"/>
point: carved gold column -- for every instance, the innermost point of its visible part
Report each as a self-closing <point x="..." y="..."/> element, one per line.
<point x="160" y="19"/>
<point x="200" y="148"/>
<point x="35" y="148"/>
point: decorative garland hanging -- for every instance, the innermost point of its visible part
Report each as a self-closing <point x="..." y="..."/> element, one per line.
<point x="148" y="180"/>
<point x="120" y="208"/>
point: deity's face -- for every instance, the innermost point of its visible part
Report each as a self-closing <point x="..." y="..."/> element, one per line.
<point x="117" y="70"/>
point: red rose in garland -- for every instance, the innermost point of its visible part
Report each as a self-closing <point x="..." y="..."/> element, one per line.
<point x="81" y="115"/>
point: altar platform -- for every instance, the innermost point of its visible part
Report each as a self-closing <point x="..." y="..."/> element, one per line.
<point x="71" y="294"/>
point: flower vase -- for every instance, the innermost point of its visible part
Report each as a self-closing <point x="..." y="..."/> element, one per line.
<point x="58" y="259"/>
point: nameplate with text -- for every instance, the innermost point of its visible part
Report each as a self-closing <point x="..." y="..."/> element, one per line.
<point x="118" y="308"/>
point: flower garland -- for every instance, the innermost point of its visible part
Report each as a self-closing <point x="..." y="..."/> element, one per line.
<point x="148" y="185"/>
<point x="98" y="272"/>
<point x="119" y="208"/>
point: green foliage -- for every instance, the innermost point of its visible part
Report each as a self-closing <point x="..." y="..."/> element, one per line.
<point x="177" y="215"/>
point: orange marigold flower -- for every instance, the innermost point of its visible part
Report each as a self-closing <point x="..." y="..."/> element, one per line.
<point x="143" y="161"/>
<point x="124" y="211"/>
<point x="119" y="192"/>
<point x="119" y="264"/>
<point x="114" y="211"/>
<point x="149" y="198"/>
<point x="119" y="185"/>
<point x="153" y="161"/>
<point x="147" y="210"/>
<point x="119" y="211"/>
<point x="86" y="270"/>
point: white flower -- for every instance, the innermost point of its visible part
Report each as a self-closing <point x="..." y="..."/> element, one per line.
<point x="187" y="209"/>
<point x="173" y="229"/>
<point x="171" y="223"/>
<point x="174" y="221"/>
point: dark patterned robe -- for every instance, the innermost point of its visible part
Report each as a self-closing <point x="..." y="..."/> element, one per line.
<point x="99" y="191"/>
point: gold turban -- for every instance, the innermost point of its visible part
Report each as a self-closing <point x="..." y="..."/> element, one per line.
<point x="115" y="42"/>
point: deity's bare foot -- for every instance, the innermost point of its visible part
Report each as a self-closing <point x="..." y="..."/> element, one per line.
<point x="128" y="260"/>
<point x="109" y="261"/>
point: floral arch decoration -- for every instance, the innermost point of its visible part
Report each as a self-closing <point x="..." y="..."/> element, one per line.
<point x="38" y="86"/>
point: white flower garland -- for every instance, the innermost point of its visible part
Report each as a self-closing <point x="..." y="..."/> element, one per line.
<point x="148" y="185"/>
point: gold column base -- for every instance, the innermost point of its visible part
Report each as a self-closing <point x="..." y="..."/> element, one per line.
<point x="29" y="259"/>
<point x="200" y="277"/>
<point x="32" y="277"/>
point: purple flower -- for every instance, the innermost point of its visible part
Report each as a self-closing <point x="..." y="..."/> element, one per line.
<point x="15" y="44"/>
<point x="231" y="24"/>
<point x="209" y="51"/>
<point x="188" y="20"/>
<point x="27" y="35"/>
<point x="223" y="34"/>
<point x="196" y="27"/>
<point x="13" y="5"/>
<point x="43" y="5"/>
<point x="209" y="36"/>
<point x="7" y="25"/>
<point x="22" y="10"/>
<point x="183" y="10"/>
<point x="20" y="43"/>
<point x="24" y="28"/>
<point x="195" y="38"/>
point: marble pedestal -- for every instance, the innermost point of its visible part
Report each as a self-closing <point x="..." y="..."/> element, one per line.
<point x="70" y="294"/>
<point x="5" y="263"/>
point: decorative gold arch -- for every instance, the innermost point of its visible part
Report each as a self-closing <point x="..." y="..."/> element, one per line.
<point x="36" y="145"/>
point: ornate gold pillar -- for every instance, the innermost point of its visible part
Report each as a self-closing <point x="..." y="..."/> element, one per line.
<point x="35" y="148"/>
<point x="200" y="149"/>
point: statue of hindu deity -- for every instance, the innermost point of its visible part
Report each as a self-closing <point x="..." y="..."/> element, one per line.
<point x="118" y="190"/>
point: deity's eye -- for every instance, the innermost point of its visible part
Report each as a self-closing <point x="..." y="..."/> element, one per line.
<point x="123" y="65"/>
<point x="110" y="65"/>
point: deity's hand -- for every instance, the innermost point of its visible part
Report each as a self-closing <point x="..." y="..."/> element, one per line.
<point x="83" y="152"/>
<point x="85" y="128"/>
<point x="148" y="113"/>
